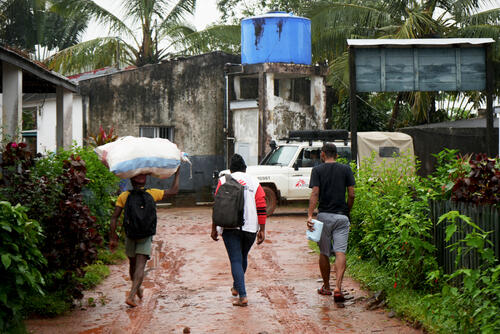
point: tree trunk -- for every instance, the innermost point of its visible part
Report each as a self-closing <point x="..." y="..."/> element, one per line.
<point x="395" y="112"/>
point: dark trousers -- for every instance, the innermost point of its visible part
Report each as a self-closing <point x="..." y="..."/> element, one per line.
<point x="238" y="244"/>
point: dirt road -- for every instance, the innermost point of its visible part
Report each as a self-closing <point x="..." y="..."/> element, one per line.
<point x="188" y="286"/>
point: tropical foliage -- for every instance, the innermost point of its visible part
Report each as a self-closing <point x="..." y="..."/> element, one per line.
<point x="334" y="21"/>
<point x="70" y="194"/>
<point x="390" y="220"/>
<point x="160" y="24"/>
<point x="30" y="25"/>
<point x="390" y="236"/>
<point x="473" y="306"/>
<point x="21" y="263"/>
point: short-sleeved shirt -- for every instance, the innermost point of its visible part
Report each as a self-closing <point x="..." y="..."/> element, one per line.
<point x="156" y="193"/>
<point x="332" y="180"/>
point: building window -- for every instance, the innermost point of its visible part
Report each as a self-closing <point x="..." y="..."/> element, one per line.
<point x="166" y="132"/>
<point x="29" y="128"/>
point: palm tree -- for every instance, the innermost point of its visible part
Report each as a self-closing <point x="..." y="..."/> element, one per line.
<point x="335" y="21"/>
<point x="161" y="24"/>
<point x="30" y="26"/>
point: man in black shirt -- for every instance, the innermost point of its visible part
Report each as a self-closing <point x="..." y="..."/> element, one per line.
<point x="329" y="182"/>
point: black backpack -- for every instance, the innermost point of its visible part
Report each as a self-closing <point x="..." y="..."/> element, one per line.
<point x="229" y="204"/>
<point x="140" y="215"/>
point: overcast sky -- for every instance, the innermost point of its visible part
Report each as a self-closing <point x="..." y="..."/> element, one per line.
<point x="206" y="13"/>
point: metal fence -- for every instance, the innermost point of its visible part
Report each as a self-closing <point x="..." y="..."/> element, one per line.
<point x="486" y="217"/>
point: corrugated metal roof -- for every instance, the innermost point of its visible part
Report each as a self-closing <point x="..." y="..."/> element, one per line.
<point x="98" y="73"/>
<point x="419" y="42"/>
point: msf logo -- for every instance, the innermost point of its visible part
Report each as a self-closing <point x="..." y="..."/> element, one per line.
<point x="300" y="184"/>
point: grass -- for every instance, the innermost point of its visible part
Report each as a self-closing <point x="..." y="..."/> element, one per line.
<point x="107" y="257"/>
<point x="408" y="304"/>
<point x="57" y="302"/>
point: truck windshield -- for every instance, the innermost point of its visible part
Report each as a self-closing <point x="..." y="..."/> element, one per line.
<point x="282" y="156"/>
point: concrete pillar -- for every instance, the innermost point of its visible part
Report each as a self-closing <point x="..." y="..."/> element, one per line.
<point x="64" y="119"/>
<point x="237" y="87"/>
<point x="270" y="91"/>
<point x="12" y="102"/>
<point x="285" y="88"/>
<point x="318" y="98"/>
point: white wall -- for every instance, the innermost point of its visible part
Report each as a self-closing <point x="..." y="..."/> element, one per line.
<point x="46" y="123"/>
<point x="246" y="128"/>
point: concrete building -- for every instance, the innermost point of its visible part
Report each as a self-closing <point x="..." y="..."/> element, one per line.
<point x="269" y="99"/>
<point x="181" y="100"/>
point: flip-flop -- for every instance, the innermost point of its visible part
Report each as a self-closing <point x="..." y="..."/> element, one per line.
<point x="240" y="303"/>
<point x="324" y="292"/>
<point x="338" y="296"/>
<point x="234" y="292"/>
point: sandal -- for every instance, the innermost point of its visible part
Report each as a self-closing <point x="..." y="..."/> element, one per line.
<point x="324" y="292"/>
<point x="338" y="296"/>
<point x="234" y="292"/>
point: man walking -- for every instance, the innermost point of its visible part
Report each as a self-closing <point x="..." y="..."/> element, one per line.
<point x="238" y="241"/>
<point x="329" y="182"/>
<point x="138" y="250"/>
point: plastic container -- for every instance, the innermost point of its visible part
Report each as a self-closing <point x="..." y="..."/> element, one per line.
<point x="276" y="37"/>
<point x="316" y="234"/>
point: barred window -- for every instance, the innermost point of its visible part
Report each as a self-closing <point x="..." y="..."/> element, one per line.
<point x="166" y="132"/>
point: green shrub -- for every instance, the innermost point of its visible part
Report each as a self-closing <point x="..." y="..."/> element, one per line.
<point x="449" y="167"/>
<point x="71" y="233"/>
<point x="98" y="193"/>
<point x="20" y="262"/>
<point x="471" y="303"/>
<point x="389" y="221"/>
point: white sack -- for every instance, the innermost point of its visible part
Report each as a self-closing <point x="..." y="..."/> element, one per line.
<point x="130" y="156"/>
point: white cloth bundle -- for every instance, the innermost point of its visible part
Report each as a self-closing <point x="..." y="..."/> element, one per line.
<point x="130" y="156"/>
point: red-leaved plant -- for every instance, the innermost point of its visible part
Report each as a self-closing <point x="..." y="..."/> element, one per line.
<point x="102" y="137"/>
<point x="482" y="185"/>
<point x="56" y="201"/>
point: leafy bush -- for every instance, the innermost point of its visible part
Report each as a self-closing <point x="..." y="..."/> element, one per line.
<point x="40" y="194"/>
<point x="21" y="262"/>
<point x="390" y="223"/>
<point x="97" y="194"/>
<point x="474" y="305"/>
<point x="449" y="167"/>
<point x="71" y="233"/>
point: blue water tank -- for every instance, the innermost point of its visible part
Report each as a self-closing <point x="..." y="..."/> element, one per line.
<point x="276" y="37"/>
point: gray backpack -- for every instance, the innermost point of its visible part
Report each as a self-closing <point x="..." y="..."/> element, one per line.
<point x="229" y="204"/>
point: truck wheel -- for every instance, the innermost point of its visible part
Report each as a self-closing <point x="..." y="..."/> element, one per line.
<point x="270" y="200"/>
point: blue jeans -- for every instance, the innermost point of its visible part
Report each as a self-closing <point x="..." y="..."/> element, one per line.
<point x="238" y="244"/>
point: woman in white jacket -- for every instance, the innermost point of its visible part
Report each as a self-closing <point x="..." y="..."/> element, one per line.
<point x="238" y="241"/>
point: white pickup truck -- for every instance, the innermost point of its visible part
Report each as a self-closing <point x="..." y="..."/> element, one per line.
<point x="284" y="173"/>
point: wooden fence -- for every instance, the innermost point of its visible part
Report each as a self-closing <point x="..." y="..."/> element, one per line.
<point x="486" y="217"/>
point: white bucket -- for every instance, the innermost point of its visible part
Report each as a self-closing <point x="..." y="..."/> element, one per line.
<point x="316" y="234"/>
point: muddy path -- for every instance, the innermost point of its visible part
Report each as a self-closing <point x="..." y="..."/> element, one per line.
<point x="189" y="280"/>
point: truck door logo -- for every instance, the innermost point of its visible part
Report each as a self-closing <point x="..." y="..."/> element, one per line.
<point x="300" y="184"/>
